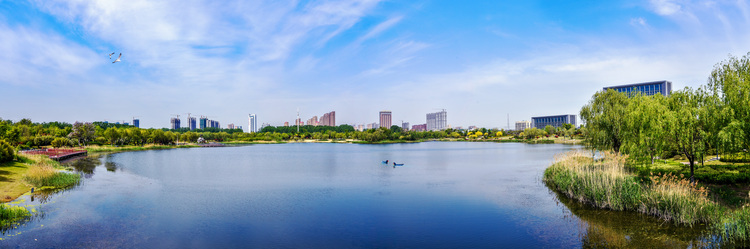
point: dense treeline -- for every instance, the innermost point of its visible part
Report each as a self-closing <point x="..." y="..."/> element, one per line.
<point x="25" y="134"/>
<point x="394" y="133"/>
<point x="695" y="123"/>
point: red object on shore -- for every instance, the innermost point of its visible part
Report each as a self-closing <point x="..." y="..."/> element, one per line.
<point x="57" y="154"/>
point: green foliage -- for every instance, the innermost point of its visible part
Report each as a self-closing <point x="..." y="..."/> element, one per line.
<point x="11" y="214"/>
<point x="7" y="152"/>
<point x="606" y="184"/>
<point x="734" y="226"/>
<point x="605" y="116"/>
<point x="60" y="142"/>
<point x="46" y="176"/>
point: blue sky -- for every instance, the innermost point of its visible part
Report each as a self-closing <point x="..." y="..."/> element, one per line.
<point x="479" y="60"/>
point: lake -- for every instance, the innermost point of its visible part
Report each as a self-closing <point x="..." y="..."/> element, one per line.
<point x="326" y="195"/>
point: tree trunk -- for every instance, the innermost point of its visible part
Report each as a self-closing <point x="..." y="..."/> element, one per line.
<point x="692" y="177"/>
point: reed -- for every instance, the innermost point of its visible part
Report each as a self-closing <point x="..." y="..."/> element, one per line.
<point x="734" y="227"/>
<point x="10" y="214"/>
<point x="602" y="183"/>
<point x="43" y="174"/>
<point x="605" y="183"/>
<point x="675" y="198"/>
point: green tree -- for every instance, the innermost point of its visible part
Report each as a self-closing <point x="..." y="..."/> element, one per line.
<point x="645" y="122"/>
<point x="730" y="83"/>
<point x="83" y="133"/>
<point x="686" y="129"/>
<point x="603" y="116"/>
<point x="112" y="134"/>
<point x="7" y="152"/>
<point x="60" y="142"/>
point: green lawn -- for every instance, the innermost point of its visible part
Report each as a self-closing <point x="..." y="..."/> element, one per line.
<point x="11" y="183"/>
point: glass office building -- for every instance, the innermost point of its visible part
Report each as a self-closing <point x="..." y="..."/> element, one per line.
<point x="647" y="88"/>
<point x="555" y="121"/>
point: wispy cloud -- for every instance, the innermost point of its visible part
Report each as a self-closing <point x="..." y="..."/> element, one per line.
<point x="31" y="57"/>
<point x="383" y="26"/>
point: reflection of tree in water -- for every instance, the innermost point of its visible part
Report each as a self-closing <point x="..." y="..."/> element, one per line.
<point x="111" y="166"/>
<point x="623" y="229"/>
<point x="45" y="195"/>
<point x="85" y="165"/>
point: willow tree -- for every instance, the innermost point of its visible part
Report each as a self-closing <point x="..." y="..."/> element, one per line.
<point x="645" y="123"/>
<point x="730" y="83"/>
<point x="604" y="118"/>
<point x="686" y="128"/>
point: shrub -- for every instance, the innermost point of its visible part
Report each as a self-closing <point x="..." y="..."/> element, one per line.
<point x="43" y="140"/>
<point x="60" y="142"/>
<point x="7" y="152"/>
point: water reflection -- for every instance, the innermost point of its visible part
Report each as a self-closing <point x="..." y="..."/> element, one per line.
<point x="85" y="165"/>
<point x="618" y="229"/>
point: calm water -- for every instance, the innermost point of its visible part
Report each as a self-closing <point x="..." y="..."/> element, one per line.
<point x="447" y="195"/>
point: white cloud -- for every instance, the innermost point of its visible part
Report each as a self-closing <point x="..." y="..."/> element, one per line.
<point x="32" y="57"/>
<point x="639" y="22"/>
<point x="665" y="7"/>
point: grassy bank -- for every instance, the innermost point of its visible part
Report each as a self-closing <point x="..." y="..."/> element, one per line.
<point x="44" y="172"/>
<point x="605" y="183"/>
<point x="12" y="184"/>
<point x="107" y="148"/>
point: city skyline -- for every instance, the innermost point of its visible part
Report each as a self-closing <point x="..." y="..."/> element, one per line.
<point x="481" y="60"/>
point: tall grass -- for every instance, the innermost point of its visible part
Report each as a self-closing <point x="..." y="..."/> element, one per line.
<point x="675" y="198"/>
<point x="605" y="183"/>
<point x="602" y="183"/>
<point x="10" y="214"/>
<point x="43" y="174"/>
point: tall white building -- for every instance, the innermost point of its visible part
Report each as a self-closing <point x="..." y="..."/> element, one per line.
<point x="252" y="123"/>
<point x="522" y="125"/>
<point x="437" y="121"/>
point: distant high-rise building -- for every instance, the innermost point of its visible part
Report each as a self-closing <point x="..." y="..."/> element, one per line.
<point x="523" y="125"/>
<point x="437" y="121"/>
<point x="203" y="122"/>
<point x="647" y="88"/>
<point x="137" y="123"/>
<point x="230" y="126"/>
<point x="360" y="127"/>
<point x="328" y="119"/>
<point x="405" y="126"/>
<point x="373" y="126"/>
<point x="298" y="122"/>
<point x="213" y="124"/>
<point x="252" y="123"/>
<point x="286" y="124"/>
<point x="385" y="119"/>
<point x="264" y="125"/>
<point x="175" y="123"/>
<point x="191" y="123"/>
<point x="313" y="121"/>
<point x="555" y="121"/>
<point x="419" y="127"/>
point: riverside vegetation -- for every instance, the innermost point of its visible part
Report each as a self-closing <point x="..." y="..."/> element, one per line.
<point x="24" y="172"/>
<point x="682" y="158"/>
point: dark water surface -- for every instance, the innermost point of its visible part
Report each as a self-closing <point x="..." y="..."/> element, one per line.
<point x="447" y="195"/>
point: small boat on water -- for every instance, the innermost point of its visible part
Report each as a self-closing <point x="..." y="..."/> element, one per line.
<point x="385" y="162"/>
<point x="398" y="164"/>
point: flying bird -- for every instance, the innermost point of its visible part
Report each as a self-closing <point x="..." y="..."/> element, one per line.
<point x="118" y="58"/>
<point x="110" y="55"/>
